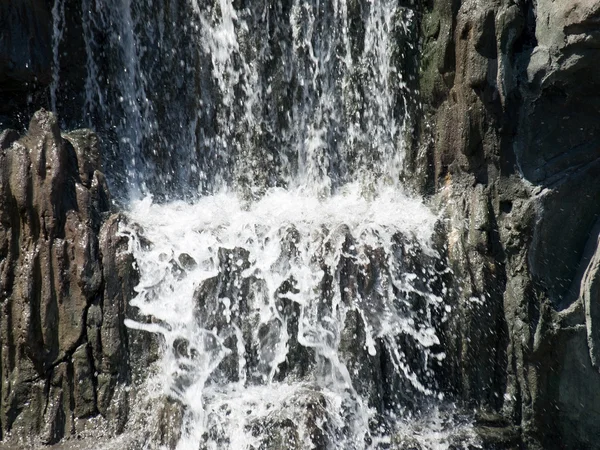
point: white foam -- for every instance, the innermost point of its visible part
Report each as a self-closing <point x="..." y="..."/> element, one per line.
<point x="223" y="221"/>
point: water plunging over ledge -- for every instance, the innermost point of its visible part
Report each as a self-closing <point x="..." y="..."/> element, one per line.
<point x="292" y="322"/>
<point x="297" y="290"/>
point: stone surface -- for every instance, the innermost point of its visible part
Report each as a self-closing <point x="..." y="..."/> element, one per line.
<point x="25" y="39"/>
<point x="509" y="146"/>
<point x="64" y="280"/>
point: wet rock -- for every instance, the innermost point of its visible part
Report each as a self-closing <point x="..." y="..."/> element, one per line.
<point x="281" y="336"/>
<point x="25" y="53"/>
<point x="298" y="424"/>
<point x="496" y="432"/>
<point x="436" y="429"/>
<point x="62" y="295"/>
<point x="186" y="261"/>
<point x="170" y="422"/>
<point x="508" y="141"/>
<point x="301" y="421"/>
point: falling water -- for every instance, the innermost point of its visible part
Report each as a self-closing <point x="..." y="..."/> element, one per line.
<point x="58" y="15"/>
<point x="295" y="285"/>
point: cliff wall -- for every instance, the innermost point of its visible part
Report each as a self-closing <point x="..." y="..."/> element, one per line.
<point x="509" y="148"/>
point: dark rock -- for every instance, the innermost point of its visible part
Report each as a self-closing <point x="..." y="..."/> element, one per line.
<point x="497" y="432"/>
<point x="499" y="438"/>
<point x="229" y="304"/>
<point x="509" y="140"/>
<point x="301" y="421"/>
<point x="170" y="422"/>
<point x="25" y="53"/>
<point x="64" y="283"/>
<point x="186" y="261"/>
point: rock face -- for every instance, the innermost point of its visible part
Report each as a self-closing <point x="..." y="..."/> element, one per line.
<point x="64" y="278"/>
<point x="509" y="145"/>
<point x="43" y="61"/>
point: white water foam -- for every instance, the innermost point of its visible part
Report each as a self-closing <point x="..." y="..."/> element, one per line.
<point x="181" y="250"/>
<point x="277" y="314"/>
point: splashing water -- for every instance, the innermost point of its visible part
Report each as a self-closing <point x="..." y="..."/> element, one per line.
<point x="197" y="97"/>
<point x="274" y="311"/>
<point x="298" y="292"/>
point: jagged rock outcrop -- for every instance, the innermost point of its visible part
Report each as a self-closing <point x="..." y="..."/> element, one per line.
<point x="65" y="277"/>
<point x="509" y="143"/>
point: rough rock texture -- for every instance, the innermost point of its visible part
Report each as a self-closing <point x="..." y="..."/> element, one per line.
<point x="64" y="281"/>
<point x="509" y="144"/>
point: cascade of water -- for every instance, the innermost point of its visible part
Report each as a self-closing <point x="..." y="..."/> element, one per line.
<point x="122" y="88"/>
<point x="298" y="294"/>
<point x="136" y="91"/>
<point x="291" y="302"/>
<point x="58" y="19"/>
<point x="320" y="109"/>
<point x="308" y="94"/>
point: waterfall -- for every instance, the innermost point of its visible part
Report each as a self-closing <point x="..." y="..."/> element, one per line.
<point x="293" y="282"/>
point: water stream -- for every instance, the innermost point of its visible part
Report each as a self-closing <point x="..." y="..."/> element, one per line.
<point x="294" y="283"/>
<point x="287" y="308"/>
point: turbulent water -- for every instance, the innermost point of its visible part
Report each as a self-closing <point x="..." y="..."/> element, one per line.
<point x="295" y="285"/>
<point x="289" y="322"/>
